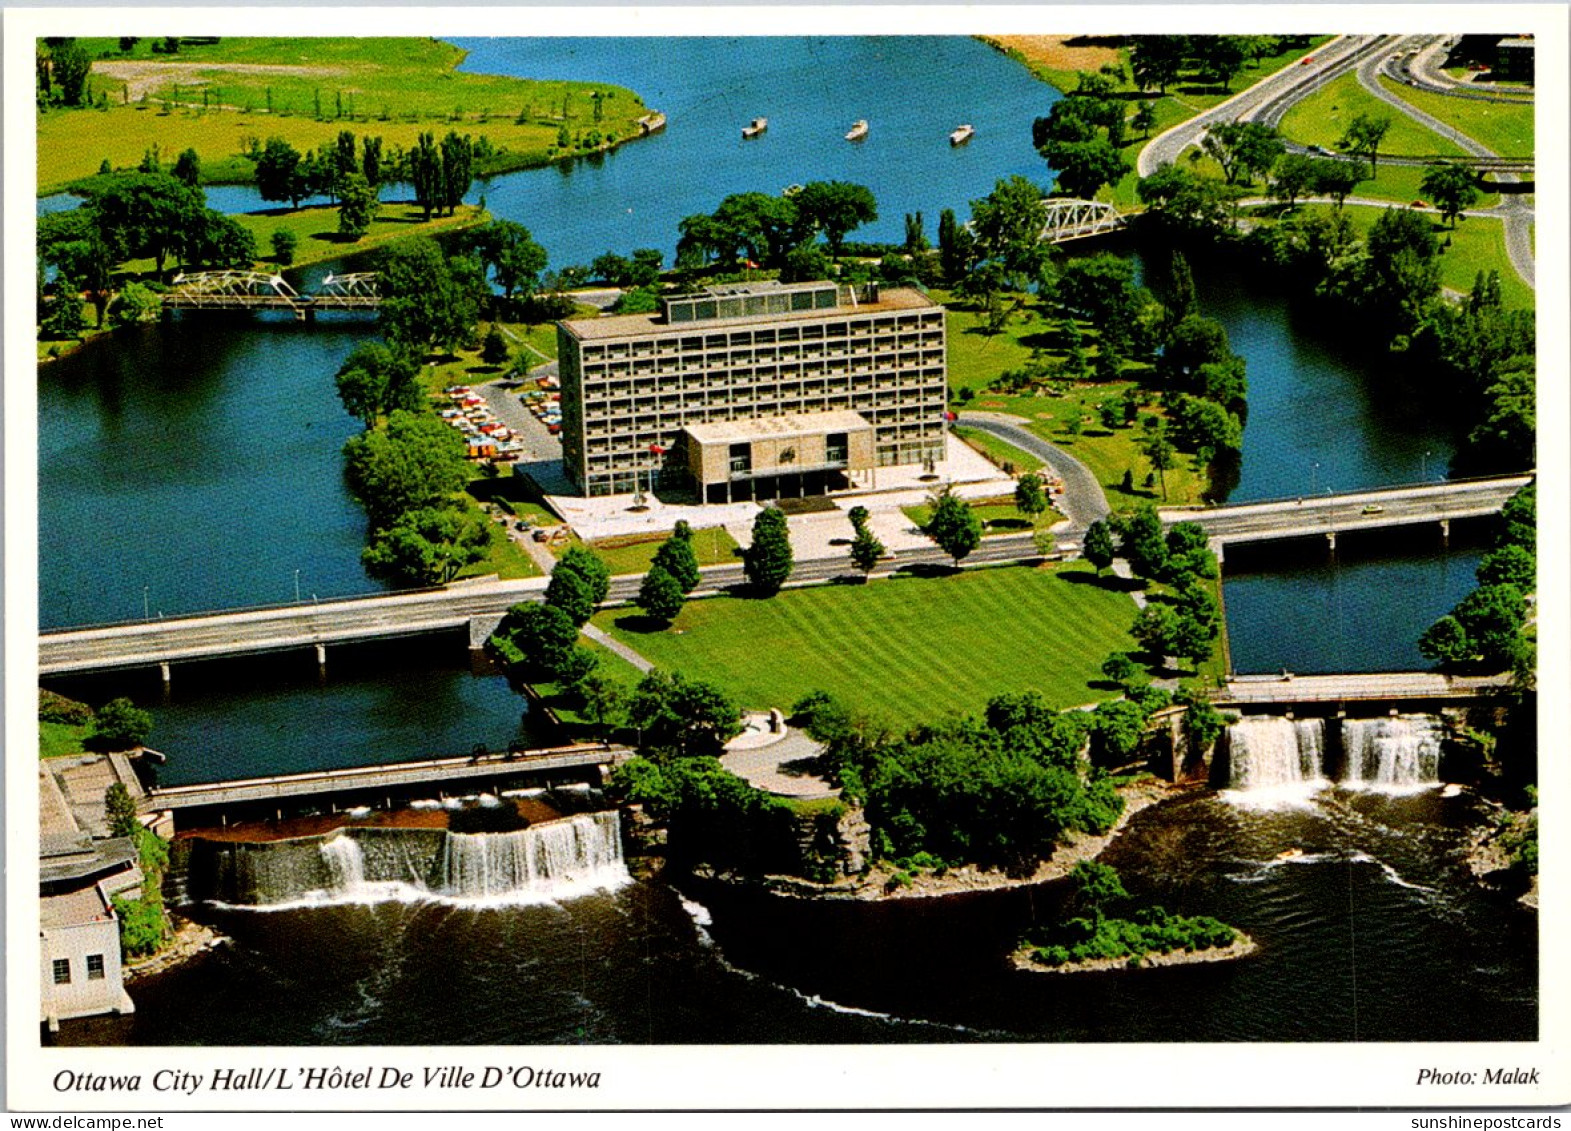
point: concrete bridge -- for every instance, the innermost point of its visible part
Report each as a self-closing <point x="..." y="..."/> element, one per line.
<point x="256" y="290"/>
<point x="1319" y="692"/>
<point x="1328" y="515"/>
<point x="365" y="784"/>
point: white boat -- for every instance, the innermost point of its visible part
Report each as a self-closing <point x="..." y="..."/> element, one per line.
<point x="758" y="126"/>
<point x="858" y="130"/>
<point x="962" y="135"/>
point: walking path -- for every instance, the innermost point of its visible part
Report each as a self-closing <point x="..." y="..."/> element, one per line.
<point x="1083" y="501"/>
<point x="773" y="768"/>
<point x="610" y="643"/>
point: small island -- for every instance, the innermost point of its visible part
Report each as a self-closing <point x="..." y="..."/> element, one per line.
<point x="1151" y="937"/>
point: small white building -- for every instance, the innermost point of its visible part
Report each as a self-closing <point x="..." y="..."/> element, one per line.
<point x="79" y="955"/>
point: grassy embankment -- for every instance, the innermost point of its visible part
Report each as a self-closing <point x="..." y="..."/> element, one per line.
<point x="1474" y="245"/>
<point x="976" y="359"/>
<point x="1505" y="127"/>
<point x="56" y="740"/>
<point x="635" y="554"/>
<point x="997" y="516"/>
<point x="305" y="90"/>
<point x="1183" y="100"/>
<point x="911" y="648"/>
<point x="1003" y="454"/>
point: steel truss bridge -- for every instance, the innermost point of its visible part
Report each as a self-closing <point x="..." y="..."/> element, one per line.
<point x="257" y="290"/>
<point x="1076" y="219"/>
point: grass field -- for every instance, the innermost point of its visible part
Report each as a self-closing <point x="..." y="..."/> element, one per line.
<point x="712" y="546"/>
<point x="910" y="648"/>
<point x="1505" y="127"/>
<point x="1475" y="245"/>
<point x="305" y="90"/>
<point x="56" y="740"/>
<point x="316" y="229"/>
<point x="1323" y="117"/>
<point x="998" y="516"/>
<point x="975" y="361"/>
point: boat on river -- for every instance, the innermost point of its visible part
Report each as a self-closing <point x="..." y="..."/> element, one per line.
<point x="962" y="135"/>
<point x="858" y="130"/>
<point x="758" y="126"/>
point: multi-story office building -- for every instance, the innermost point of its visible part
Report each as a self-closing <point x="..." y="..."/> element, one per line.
<point x="755" y="390"/>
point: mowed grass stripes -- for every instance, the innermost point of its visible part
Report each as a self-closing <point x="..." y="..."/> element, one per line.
<point x="912" y="649"/>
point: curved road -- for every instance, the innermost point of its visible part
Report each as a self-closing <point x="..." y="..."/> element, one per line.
<point x="1083" y="501"/>
<point x="1514" y="212"/>
<point x="1423" y="70"/>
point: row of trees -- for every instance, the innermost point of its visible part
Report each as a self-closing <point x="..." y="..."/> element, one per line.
<point x="1158" y="61"/>
<point x="768" y="231"/>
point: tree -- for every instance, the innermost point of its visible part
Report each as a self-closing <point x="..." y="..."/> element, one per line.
<point x="120" y="811"/>
<point x="1097" y="887"/>
<point x="1509" y="564"/>
<point x="119" y="725"/>
<point x="835" y="208"/>
<point x="512" y="256"/>
<point x="954" y="526"/>
<point x="866" y="549"/>
<point x="1363" y="137"/>
<point x="278" y="173"/>
<point x="134" y="305"/>
<point x="427" y="546"/>
<point x="1119" y="723"/>
<point x="1156" y="60"/>
<point x="1492" y="616"/>
<point x="805" y="263"/>
<point x="768" y="560"/>
<point x="357" y="205"/>
<point x="1445" y="642"/>
<point x="661" y="595"/>
<point x="683" y="716"/>
<point x="425" y="174"/>
<point x="1098" y="545"/>
<point x="571" y="592"/>
<point x="284" y="243"/>
<point x="375" y="381"/>
<point x="69" y="67"/>
<point x="414" y="461"/>
<point x="956" y="246"/>
<point x="427" y="299"/>
<point x="1220" y="57"/>
<point x="1453" y="188"/>
<point x="677" y="558"/>
<point x="64" y="322"/>
<point x="536" y="635"/>
<point x="1156" y="630"/>
<point x="1337" y="179"/>
<point x="1293" y="177"/>
<point x="1142" y="542"/>
<point x="188" y="168"/>
<point x="1083" y="167"/>
<point x="1030" y="498"/>
<point x="1119" y="668"/>
<point x="589" y="566"/>
<point x="1247" y="149"/>
<point x="1144" y="118"/>
<point x="1159" y="452"/>
<point x="148" y="214"/>
<point x="1007" y="225"/>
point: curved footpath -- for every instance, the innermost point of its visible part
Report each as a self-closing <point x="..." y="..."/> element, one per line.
<point x="1515" y="213"/>
<point x="1083" y="501"/>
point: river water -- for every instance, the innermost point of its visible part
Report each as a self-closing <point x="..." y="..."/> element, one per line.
<point x="196" y="465"/>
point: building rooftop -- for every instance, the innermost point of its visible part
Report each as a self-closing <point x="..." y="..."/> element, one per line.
<point x="74" y="909"/>
<point x="798" y="424"/>
<point x="890" y="299"/>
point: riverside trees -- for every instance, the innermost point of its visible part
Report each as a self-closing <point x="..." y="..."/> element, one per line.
<point x="767" y="230"/>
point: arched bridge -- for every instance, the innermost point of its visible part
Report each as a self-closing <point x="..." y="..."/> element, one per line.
<point x="257" y="290"/>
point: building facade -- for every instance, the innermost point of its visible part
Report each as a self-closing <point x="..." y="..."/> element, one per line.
<point x="753" y="391"/>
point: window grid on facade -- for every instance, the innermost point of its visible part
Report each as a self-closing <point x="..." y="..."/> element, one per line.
<point x="62" y="969"/>
<point x="95" y="967"/>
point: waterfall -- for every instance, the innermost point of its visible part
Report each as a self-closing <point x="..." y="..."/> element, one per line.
<point x="550" y="861"/>
<point x="545" y="861"/>
<point x="1267" y="752"/>
<point x="1402" y="751"/>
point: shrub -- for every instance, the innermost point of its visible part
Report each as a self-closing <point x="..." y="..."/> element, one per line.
<point x="56" y="708"/>
<point x="119" y="725"/>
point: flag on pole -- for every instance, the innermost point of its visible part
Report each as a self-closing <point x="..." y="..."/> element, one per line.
<point x="656" y="450"/>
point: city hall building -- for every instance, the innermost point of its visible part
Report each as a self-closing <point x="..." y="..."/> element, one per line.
<point x="754" y="391"/>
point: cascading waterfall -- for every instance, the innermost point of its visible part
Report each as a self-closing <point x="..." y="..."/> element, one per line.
<point x="1401" y="751"/>
<point x="550" y="861"/>
<point x="1265" y="753"/>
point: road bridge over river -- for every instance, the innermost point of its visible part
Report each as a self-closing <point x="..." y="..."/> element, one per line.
<point x="257" y="290"/>
<point x="1317" y="692"/>
<point x="478" y="605"/>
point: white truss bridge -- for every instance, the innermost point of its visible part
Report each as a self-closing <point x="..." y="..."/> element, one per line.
<point x="257" y="290"/>
<point x="1076" y="219"/>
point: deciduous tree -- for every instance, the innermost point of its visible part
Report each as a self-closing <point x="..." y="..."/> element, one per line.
<point x="954" y="526"/>
<point x="768" y="560"/>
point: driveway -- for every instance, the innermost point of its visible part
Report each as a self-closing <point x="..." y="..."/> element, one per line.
<point x="1083" y="501"/>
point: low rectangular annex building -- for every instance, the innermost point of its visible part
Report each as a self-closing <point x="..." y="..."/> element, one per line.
<point x="754" y="390"/>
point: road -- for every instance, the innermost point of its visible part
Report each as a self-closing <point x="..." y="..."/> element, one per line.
<point x="1423" y="71"/>
<point x="1083" y="501"/>
<point x="1271" y="690"/>
<point x="147" y="643"/>
<point x="1267" y="100"/>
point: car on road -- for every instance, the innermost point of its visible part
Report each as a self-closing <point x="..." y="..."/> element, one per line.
<point x="1419" y="204"/>
<point x="1320" y="151"/>
<point x="1306" y="60"/>
<point x="1373" y="508"/>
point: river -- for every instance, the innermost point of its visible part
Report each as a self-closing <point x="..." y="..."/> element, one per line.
<point x="196" y="465"/>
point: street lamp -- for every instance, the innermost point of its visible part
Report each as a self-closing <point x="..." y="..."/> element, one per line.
<point x="1423" y="465"/>
<point x="1314" y="474"/>
<point x="147" y="613"/>
<point x="297" y="587"/>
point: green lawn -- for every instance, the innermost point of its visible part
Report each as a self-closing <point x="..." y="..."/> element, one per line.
<point x="397" y="88"/>
<point x="910" y="648"/>
<point x="58" y="739"/>
<point x="1323" y="117"/>
<point x="1002" y="453"/>
<point x="316" y="229"/>
<point x="1475" y="245"/>
<point x="975" y="361"/>
<point x="998" y="516"/>
<point x="712" y="546"/>
<point x="1505" y="127"/>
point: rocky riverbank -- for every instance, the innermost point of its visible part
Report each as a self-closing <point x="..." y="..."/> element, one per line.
<point x="190" y="939"/>
<point x="1241" y="947"/>
<point x="886" y="882"/>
